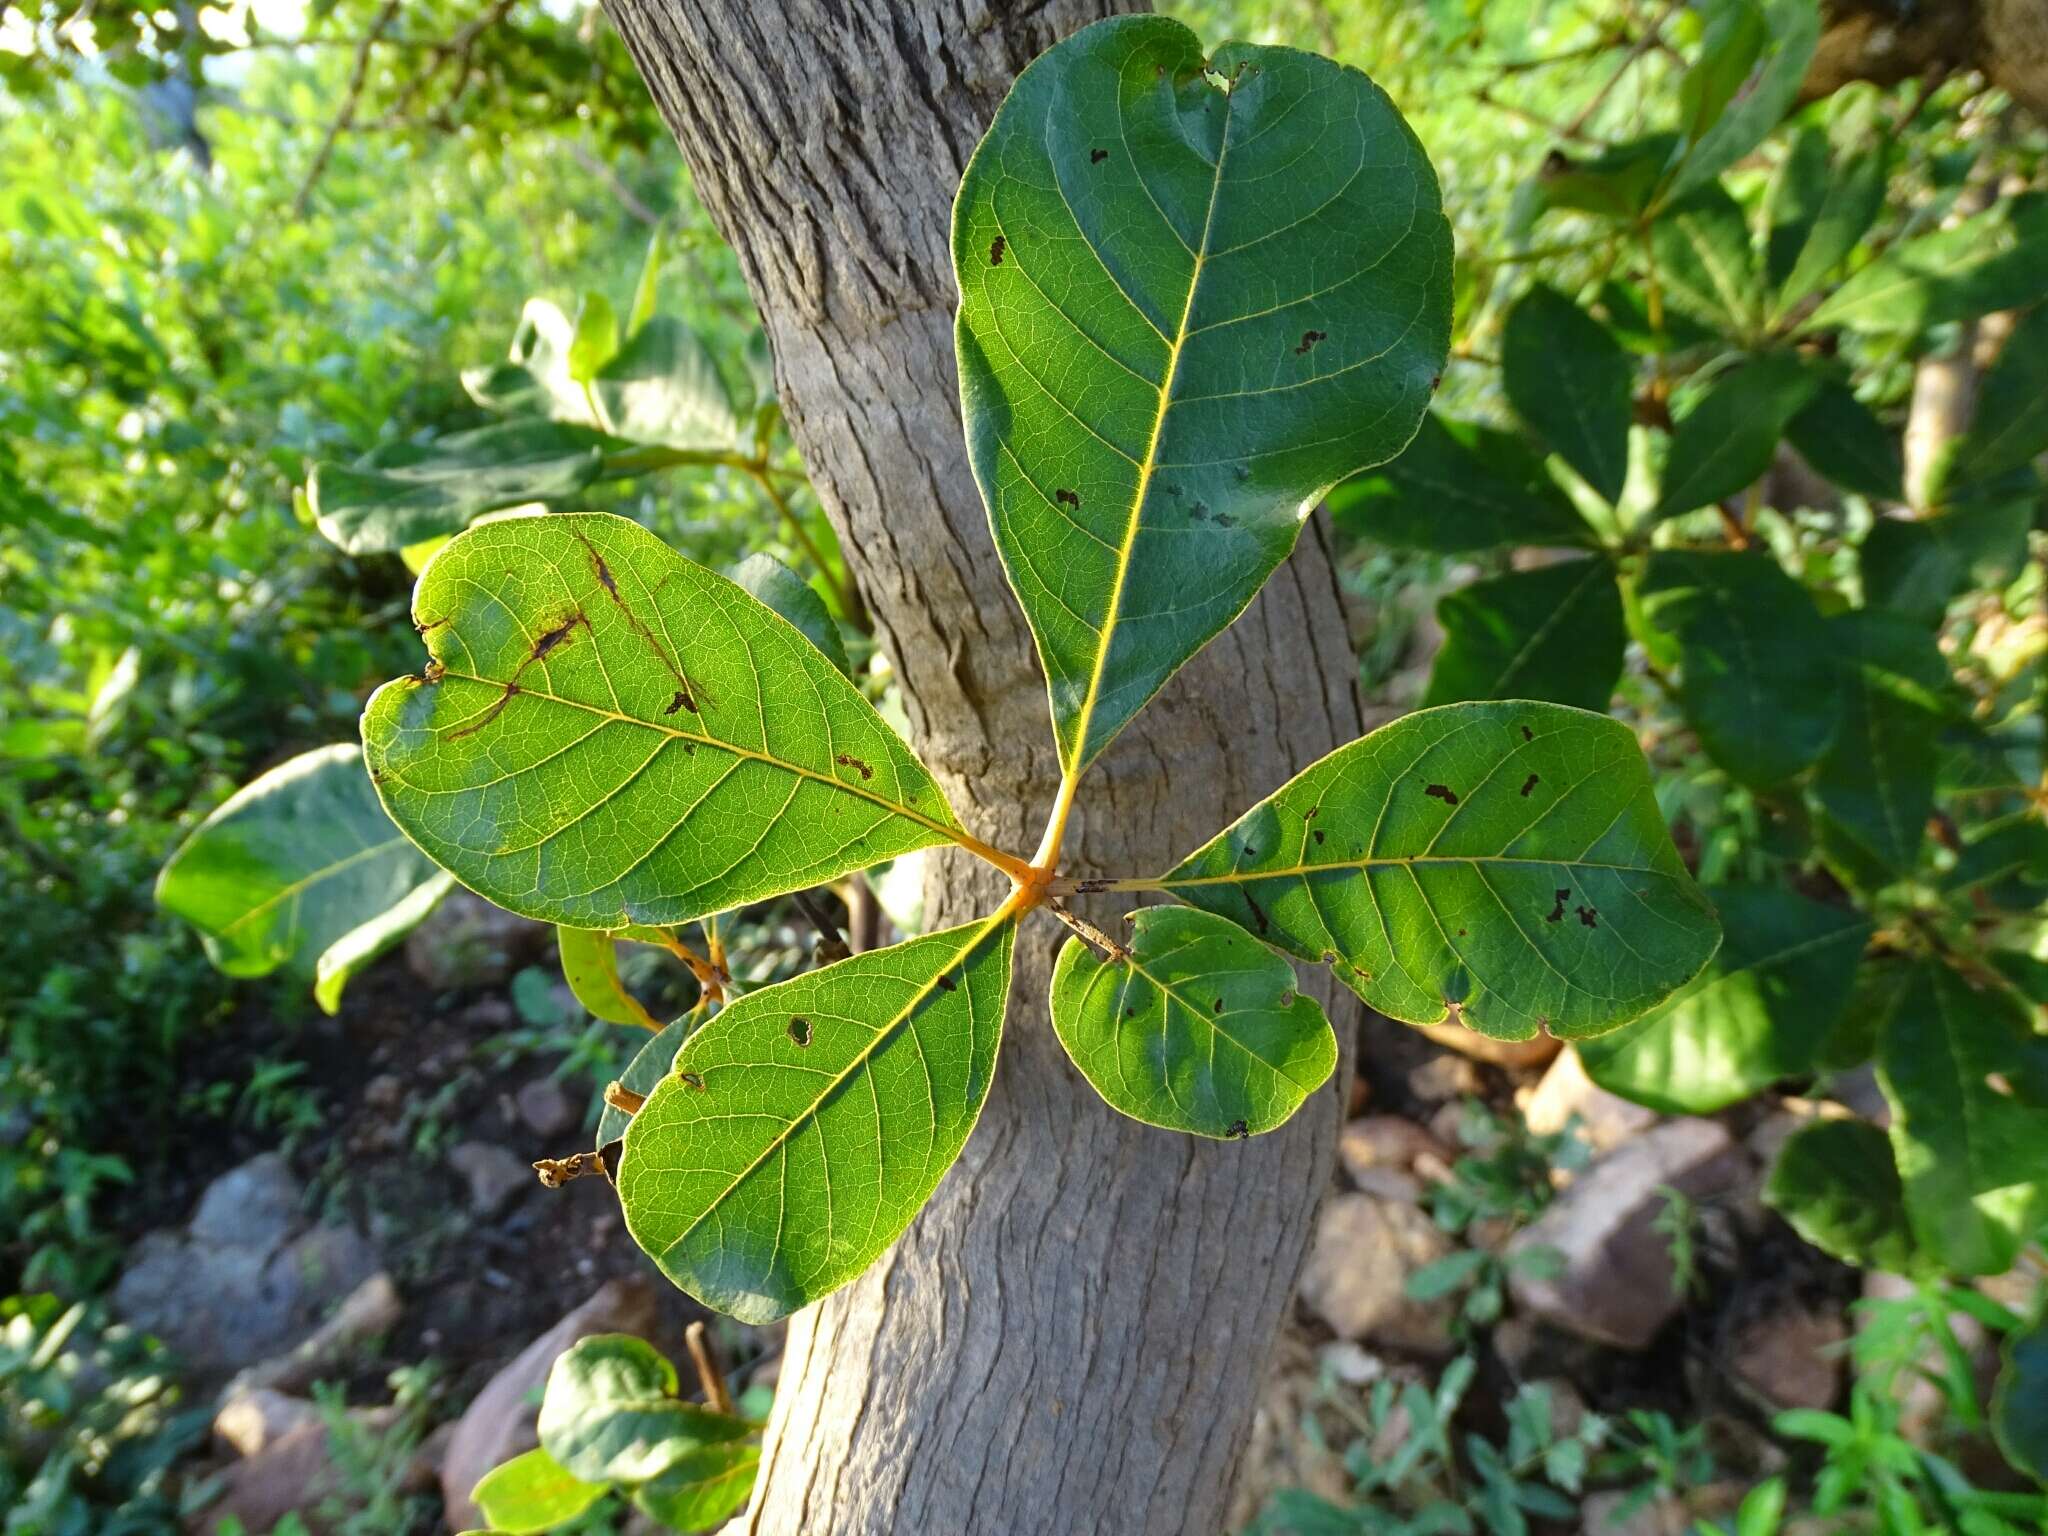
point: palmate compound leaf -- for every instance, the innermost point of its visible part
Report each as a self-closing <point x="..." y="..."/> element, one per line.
<point x="301" y="870"/>
<point x="609" y="734"/>
<point x="1501" y="863"/>
<point x="804" y="1126"/>
<point x="1195" y="295"/>
<point x="1197" y="1028"/>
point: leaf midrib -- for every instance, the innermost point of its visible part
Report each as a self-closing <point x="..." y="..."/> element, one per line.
<point x="1247" y="877"/>
<point x="306" y="882"/>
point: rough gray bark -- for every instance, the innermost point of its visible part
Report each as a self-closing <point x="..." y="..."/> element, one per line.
<point x="1070" y="1339"/>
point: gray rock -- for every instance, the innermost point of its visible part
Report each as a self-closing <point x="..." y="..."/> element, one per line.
<point x="499" y="1423"/>
<point x="293" y="1475"/>
<point x="470" y="943"/>
<point x="372" y="1308"/>
<point x="1614" y="1284"/>
<point x="253" y="1206"/>
<point x="494" y="1175"/>
<point x="1365" y="1250"/>
<point x="545" y="1108"/>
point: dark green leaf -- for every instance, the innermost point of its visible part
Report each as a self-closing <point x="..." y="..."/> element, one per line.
<point x="2014" y="849"/>
<point x="1553" y="633"/>
<point x="1625" y="312"/>
<point x="1617" y="182"/>
<point x="1839" y="436"/>
<point x="1704" y="261"/>
<point x="1792" y="202"/>
<point x="1836" y="1184"/>
<point x="703" y="1489"/>
<point x="2019" y="1406"/>
<point x="1756" y="1014"/>
<point x="1855" y="195"/>
<point x="611" y="1414"/>
<point x="1972" y="1151"/>
<point x="1916" y="566"/>
<point x="1571" y="382"/>
<point x="1457" y="489"/>
<point x="1792" y="31"/>
<point x="1990" y="261"/>
<point x="406" y="493"/>
<point x="1197" y="1028"/>
<point x="1733" y="42"/>
<point x="1726" y="441"/>
<point x="1501" y="863"/>
<point x="1196" y="293"/>
<point x="301" y="869"/>
<point x="2009" y="429"/>
<point x="643" y="1074"/>
<point x="1757" y="681"/>
<point x="806" y="1124"/>
<point x="612" y="735"/>
<point x="532" y="1493"/>
<point x="781" y="589"/>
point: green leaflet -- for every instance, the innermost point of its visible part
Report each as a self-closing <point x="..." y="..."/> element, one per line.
<point x="1854" y="198"/>
<point x="1992" y="260"/>
<point x="1792" y="31"/>
<point x="1554" y="633"/>
<point x="1725" y="442"/>
<point x="1195" y="295"/>
<point x="1757" y="1012"/>
<point x="1759" y="683"/>
<point x="1459" y="487"/>
<point x="1836" y="1184"/>
<point x="1842" y="439"/>
<point x="532" y="1493"/>
<point x="1916" y="566"/>
<point x="590" y="965"/>
<point x="1199" y="1028"/>
<point x="643" y="1074"/>
<point x="611" y="1415"/>
<point x="2019" y="1406"/>
<point x="1965" y="1075"/>
<point x="406" y="493"/>
<point x="609" y="735"/>
<point x="1703" y="258"/>
<point x="781" y="589"/>
<point x="301" y="869"/>
<point x="1503" y="863"/>
<point x="702" y="1488"/>
<point x="805" y="1125"/>
<point x="1569" y="379"/>
<point x="1793" y="200"/>
<point x="2009" y="429"/>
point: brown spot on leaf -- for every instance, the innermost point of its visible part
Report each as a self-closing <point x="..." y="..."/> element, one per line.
<point x="497" y="708"/>
<point x="1590" y="916"/>
<point x="947" y="984"/>
<point x="1067" y="498"/>
<point x="847" y="760"/>
<point x="1319" y="836"/>
<point x="434" y="672"/>
<point x="554" y="637"/>
<point x="1238" y="1131"/>
<point x="682" y="700"/>
<point x="691" y="1080"/>
<point x="800" y="1031"/>
<point x="1097" y="156"/>
<point x="1528" y="784"/>
<point x="1217" y="1006"/>
<point x="1308" y="342"/>
<point x="1527" y="734"/>
<point x="995" y="251"/>
<point x="1442" y="792"/>
<point x="604" y="572"/>
<point x="1557" y="912"/>
<point x="1258" y="912"/>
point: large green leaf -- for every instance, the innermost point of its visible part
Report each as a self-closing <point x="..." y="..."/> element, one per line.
<point x="1571" y="382"/>
<point x="1854" y="198"/>
<point x="776" y="585"/>
<point x="1757" y="681"/>
<point x="1501" y="862"/>
<point x="1459" y="488"/>
<point x="702" y="1489"/>
<point x="1964" y="1072"/>
<point x="1555" y="633"/>
<point x="2019" y="1406"/>
<point x="611" y="1415"/>
<point x="609" y="734"/>
<point x="1793" y="199"/>
<point x="532" y="1493"/>
<point x="301" y="870"/>
<point x="1726" y="441"/>
<point x="1197" y="1028"/>
<point x="1992" y="260"/>
<point x="1792" y="31"/>
<point x="1196" y="293"/>
<point x="1704" y="261"/>
<point x="407" y="493"/>
<point x="1756" y="1013"/>
<point x="1835" y="1182"/>
<point x="805" y="1125"/>
<point x="1842" y="439"/>
<point x="1875" y="787"/>
<point x="2009" y="429"/>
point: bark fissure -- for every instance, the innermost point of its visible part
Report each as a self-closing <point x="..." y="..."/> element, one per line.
<point x="1070" y="1338"/>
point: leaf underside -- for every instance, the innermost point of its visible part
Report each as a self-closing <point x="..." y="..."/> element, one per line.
<point x="1501" y="863"/>
<point x="1195" y="295"/>
<point x="610" y="735"/>
<point x="804" y="1126"/>
<point x="1199" y="1028"/>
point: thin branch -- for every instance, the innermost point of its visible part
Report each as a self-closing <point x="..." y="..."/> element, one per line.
<point x="1643" y="45"/>
<point x="717" y="1396"/>
<point x="1088" y="931"/>
<point x="352" y="98"/>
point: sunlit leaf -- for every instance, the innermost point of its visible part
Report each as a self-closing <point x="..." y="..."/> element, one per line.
<point x="1571" y="382"/>
<point x="611" y="1415"/>
<point x="1198" y="1028"/>
<point x="1459" y="488"/>
<point x="781" y="589"/>
<point x="1990" y="261"/>
<point x="1836" y="1184"/>
<point x="1792" y="31"/>
<point x="1855" y="196"/>
<point x="1704" y="263"/>
<point x="590" y="965"/>
<point x="532" y="1493"/>
<point x="805" y="1125"/>
<point x="1196" y="293"/>
<point x="1553" y="633"/>
<point x="2009" y="428"/>
<point x="1793" y="199"/>
<point x="609" y="734"/>
<point x="1759" y="684"/>
<point x="1501" y="863"/>
<point x="1757" y="1012"/>
<point x="301" y="870"/>
<point x="702" y="1489"/>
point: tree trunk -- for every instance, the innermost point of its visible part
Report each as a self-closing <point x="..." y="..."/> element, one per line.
<point x="1071" y="1337"/>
